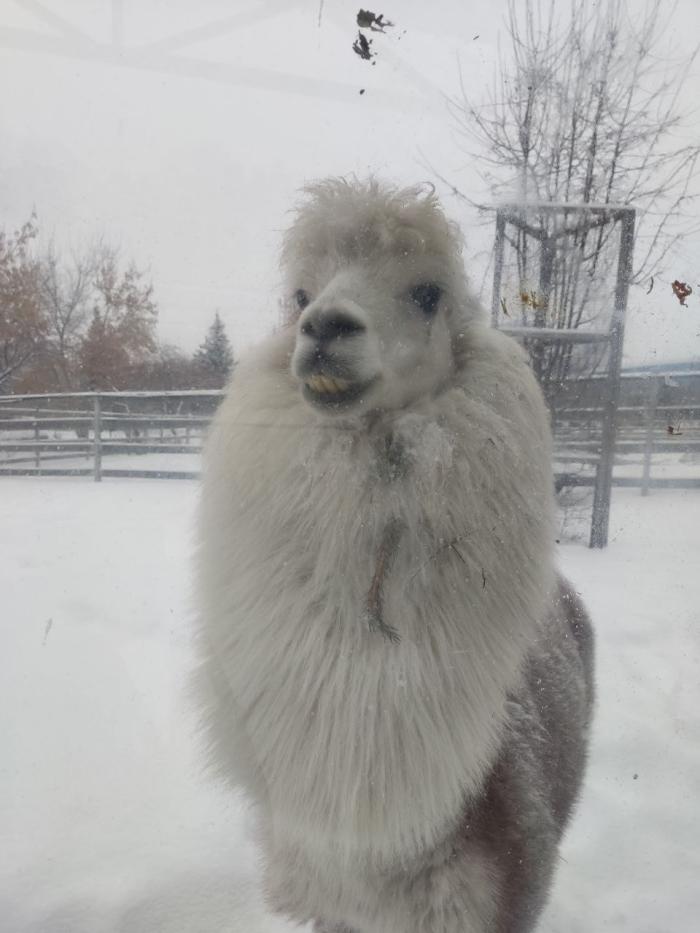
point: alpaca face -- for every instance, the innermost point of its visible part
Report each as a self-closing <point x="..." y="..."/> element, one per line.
<point x="371" y="335"/>
<point x="378" y="290"/>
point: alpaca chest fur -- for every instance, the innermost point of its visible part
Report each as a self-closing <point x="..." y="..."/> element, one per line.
<point x="351" y="743"/>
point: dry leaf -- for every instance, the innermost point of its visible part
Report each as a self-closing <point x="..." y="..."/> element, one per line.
<point x="681" y="290"/>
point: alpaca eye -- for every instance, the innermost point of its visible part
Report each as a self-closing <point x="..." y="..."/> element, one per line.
<point x="302" y="298"/>
<point x="426" y="297"/>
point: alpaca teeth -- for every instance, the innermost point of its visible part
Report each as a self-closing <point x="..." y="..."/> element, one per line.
<point x="321" y="383"/>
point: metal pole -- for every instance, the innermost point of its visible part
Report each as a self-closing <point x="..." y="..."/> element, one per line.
<point x="603" y="482"/>
<point x="497" y="266"/>
<point x="37" y="454"/>
<point x="97" y="438"/>
<point x="649" y="416"/>
<point x="537" y="351"/>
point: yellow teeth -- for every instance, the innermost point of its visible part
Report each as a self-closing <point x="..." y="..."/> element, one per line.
<point x="320" y="383"/>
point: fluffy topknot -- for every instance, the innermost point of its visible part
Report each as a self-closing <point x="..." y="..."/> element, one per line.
<point x="361" y="219"/>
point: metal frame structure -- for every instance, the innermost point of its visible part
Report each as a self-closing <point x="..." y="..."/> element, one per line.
<point x="178" y="53"/>
<point x="601" y="214"/>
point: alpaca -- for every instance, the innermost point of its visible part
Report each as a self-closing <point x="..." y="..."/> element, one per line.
<point x="391" y="667"/>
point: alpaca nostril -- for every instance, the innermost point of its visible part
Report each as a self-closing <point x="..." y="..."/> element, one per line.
<point x="341" y="325"/>
<point x="331" y="325"/>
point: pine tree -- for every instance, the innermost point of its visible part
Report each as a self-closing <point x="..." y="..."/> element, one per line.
<point x="215" y="357"/>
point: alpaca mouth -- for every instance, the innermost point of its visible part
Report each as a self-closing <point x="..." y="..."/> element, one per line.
<point x="321" y="384"/>
<point x="324" y="390"/>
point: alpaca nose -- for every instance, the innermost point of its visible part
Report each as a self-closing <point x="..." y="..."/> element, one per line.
<point x="328" y="325"/>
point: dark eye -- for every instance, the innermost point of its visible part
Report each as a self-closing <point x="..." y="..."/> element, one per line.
<point x="426" y="297"/>
<point x="302" y="298"/>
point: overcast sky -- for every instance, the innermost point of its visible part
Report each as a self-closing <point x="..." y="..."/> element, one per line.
<point x="181" y="131"/>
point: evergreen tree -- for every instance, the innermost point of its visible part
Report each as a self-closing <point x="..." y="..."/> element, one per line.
<point x="214" y="357"/>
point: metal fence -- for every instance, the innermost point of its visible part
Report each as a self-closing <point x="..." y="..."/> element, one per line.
<point x="160" y="435"/>
<point x="657" y="441"/>
<point x="91" y="433"/>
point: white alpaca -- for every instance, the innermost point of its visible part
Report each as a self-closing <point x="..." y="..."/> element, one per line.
<point x="391" y="668"/>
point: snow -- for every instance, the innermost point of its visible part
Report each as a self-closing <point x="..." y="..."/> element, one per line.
<point x="109" y="822"/>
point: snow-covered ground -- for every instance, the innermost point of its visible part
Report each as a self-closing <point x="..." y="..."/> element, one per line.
<point x="106" y="818"/>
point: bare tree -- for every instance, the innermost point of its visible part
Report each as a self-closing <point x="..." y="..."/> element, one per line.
<point x="584" y="110"/>
<point x="67" y="296"/>
<point x="97" y="318"/>
<point x="167" y="369"/>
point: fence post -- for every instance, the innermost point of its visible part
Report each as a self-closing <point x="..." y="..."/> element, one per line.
<point x="37" y="452"/>
<point x="97" y="437"/>
<point x="649" y="417"/>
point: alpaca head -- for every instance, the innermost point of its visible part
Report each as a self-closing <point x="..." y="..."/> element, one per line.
<point x="378" y="294"/>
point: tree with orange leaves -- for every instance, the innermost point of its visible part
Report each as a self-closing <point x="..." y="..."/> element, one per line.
<point x="121" y="333"/>
<point x="22" y="320"/>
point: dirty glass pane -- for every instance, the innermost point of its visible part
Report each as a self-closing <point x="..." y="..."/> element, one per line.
<point x="385" y="668"/>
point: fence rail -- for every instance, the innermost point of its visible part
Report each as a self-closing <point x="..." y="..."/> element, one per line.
<point x="81" y="434"/>
<point x="63" y="428"/>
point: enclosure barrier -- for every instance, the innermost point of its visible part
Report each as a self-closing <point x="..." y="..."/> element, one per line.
<point x="83" y="427"/>
<point x="91" y="434"/>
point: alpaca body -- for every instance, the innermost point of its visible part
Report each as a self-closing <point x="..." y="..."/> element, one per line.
<point x="394" y="777"/>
